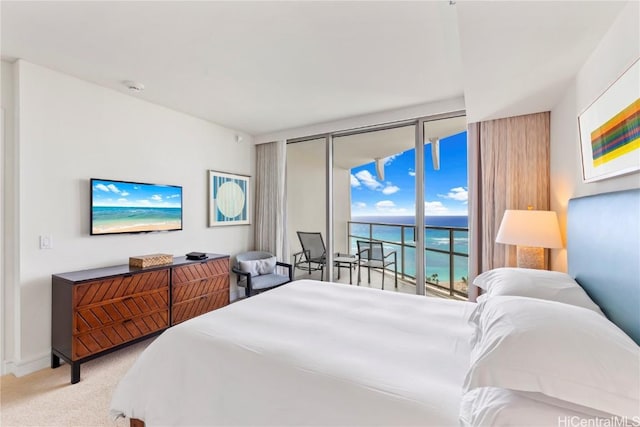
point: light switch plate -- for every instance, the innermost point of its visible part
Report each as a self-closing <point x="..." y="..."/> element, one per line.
<point x="46" y="242"/>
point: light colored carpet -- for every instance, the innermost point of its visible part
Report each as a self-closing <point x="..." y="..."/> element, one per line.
<point x="47" y="398"/>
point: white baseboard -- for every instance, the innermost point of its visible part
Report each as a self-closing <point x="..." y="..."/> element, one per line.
<point x="233" y="294"/>
<point x="7" y="368"/>
<point x="29" y="366"/>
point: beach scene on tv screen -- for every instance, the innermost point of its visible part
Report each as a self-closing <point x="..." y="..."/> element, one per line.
<point x="123" y="207"/>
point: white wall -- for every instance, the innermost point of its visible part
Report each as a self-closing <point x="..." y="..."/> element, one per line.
<point x="2" y="239"/>
<point x="69" y="131"/>
<point x="615" y="53"/>
<point x="7" y="167"/>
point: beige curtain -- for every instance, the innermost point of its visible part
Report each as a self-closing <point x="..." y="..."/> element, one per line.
<point x="508" y="169"/>
<point x="271" y="200"/>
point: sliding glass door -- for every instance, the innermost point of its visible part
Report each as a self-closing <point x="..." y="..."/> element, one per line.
<point x="373" y="212"/>
<point x="401" y="188"/>
<point x="445" y="203"/>
<point x="306" y="201"/>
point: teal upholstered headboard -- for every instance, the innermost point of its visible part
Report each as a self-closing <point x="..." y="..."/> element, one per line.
<point x="603" y="247"/>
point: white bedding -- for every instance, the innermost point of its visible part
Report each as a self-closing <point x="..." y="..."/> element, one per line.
<point x="307" y="353"/>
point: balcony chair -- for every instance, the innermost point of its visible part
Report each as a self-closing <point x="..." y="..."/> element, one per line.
<point x="258" y="271"/>
<point x="312" y="257"/>
<point x="373" y="255"/>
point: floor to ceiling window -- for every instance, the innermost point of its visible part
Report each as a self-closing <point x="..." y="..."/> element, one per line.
<point x="306" y="189"/>
<point x="375" y="190"/>
<point x="379" y="180"/>
<point x="445" y="203"/>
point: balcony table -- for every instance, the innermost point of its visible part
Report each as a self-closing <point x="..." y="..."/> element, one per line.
<point x="345" y="261"/>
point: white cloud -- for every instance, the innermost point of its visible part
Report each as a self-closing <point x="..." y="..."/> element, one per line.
<point x="368" y="180"/>
<point x="173" y="196"/>
<point x="387" y="206"/>
<point x="459" y="193"/>
<point x="122" y="200"/>
<point x="359" y="205"/>
<point x="390" y="189"/>
<point x="412" y="172"/>
<point x="113" y="188"/>
<point x="435" y="208"/>
<point x="354" y="181"/>
<point x="156" y="197"/>
<point x="387" y="160"/>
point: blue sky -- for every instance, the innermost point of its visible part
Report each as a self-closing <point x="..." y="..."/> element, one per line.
<point x="445" y="189"/>
<point x="124" y="194"/>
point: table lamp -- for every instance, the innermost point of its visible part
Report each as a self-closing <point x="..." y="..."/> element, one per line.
<point x="531" y="231"/>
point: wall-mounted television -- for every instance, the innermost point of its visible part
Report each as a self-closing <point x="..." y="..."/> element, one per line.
<point x="134" y="207"/>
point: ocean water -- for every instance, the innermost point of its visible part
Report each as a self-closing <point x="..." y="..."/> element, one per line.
<point x="438" y="221"/>
<point x="123" y="219"/>
<point x="399" y="230"/>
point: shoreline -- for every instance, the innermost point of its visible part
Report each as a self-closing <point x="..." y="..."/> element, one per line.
<point x="166" y="226"/>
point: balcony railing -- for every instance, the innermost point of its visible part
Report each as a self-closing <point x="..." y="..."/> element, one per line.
<point x="446" y="256"/>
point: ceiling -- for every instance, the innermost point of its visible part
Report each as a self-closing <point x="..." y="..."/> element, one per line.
<point x="361" y="148"/>
<point x="265" y="66"/>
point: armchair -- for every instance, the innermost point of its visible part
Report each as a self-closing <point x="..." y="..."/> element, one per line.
<point x="373" y="255"/>
<point x="257" y="272"/>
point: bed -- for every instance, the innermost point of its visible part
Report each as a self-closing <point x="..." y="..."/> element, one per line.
<point x="317" y="353"/>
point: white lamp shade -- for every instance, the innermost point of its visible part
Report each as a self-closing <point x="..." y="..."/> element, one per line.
<point x="530" y="228"/>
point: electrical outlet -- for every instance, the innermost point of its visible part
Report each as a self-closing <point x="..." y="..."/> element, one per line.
<point x="46" y="242"/>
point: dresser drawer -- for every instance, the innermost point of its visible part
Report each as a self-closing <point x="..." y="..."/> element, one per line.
<point x="197" y="306"/>
<point x="119" y="287"/>
<point x="117" y="310"/>
<point x="190" y="290"/>
<point x="115" y="334"/>
<point x="96" y="311"/>
<point x="204" y="269"/>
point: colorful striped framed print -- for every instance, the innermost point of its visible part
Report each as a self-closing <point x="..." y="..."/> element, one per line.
<point x="228" y="199"/>
<point x="610" y="129"/>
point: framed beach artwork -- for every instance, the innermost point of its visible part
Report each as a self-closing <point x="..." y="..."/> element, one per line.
<point x="610" y="129"/>
<point x="228" y="199"/>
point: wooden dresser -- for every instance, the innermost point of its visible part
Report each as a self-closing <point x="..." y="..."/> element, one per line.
<point x="198" y="288"/>
<point x="101" y="310"/>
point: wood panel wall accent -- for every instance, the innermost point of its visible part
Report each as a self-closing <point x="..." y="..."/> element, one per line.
<point x="101" y="310"/>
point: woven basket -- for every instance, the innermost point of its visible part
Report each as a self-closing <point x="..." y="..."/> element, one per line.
<point x="143" y="261"/>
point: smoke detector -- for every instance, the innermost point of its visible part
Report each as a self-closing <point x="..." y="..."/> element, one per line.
<point x="133" y="86"/>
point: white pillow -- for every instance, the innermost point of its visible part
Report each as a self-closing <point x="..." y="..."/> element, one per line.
<point x="498" y="407"/>
<point x="258" y="267"/>
<point x="562" y="351"/>
<point x="542" y="284"/>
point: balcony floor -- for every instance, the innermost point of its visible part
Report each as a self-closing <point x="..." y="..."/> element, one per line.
<point x="404" y="286"/>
